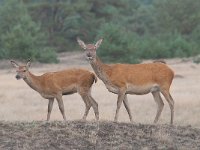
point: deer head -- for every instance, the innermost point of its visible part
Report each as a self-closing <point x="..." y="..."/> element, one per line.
<point x="22" y="70"/>
<point x="90" y="49"/>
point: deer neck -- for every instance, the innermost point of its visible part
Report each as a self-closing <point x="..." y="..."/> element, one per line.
<point x="102" y="70"/>
<point x="33" y="81"/>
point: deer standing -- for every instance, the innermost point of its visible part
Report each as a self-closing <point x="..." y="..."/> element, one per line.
<point x="139" y="79"/>
<point x="55" y="84"/>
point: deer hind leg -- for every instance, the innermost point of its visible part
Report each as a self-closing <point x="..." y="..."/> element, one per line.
<point x="94" y="106"/>
<point x="89" y="101"/>
<point x="87" y="106"/>
<point x="126" y="105"/>
<point x="50" y="106"/>
<point x="121" y="97"/>
<point x="159" y="103"/>
<point x="170" y="101"/>
<point x="61" y="106"/>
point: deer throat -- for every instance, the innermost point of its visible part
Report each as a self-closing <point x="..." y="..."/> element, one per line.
<point x="100" y="70"/>
<point x="102" y="74"/>
<point x="31" y="82"/>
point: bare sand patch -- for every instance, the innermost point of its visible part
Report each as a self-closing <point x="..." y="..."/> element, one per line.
<point x="21" y="103"/>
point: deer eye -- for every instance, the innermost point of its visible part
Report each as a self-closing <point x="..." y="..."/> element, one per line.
<point x="24" y="71"/>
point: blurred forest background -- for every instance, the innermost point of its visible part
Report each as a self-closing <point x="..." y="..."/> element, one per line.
<point x="131" y="29"/>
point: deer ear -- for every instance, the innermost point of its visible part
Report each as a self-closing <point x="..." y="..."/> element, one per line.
<point x="28" y="64"/>
<point x="98" y="43"/>
<point x="81" y="43"/>
<point x="14" y="64"/>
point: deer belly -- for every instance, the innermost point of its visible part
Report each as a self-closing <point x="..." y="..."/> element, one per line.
<point x="112" y="89"/>
<point x="69" y="90"/>
<point x="47" y="96"/>
<point x="143" y="89"/>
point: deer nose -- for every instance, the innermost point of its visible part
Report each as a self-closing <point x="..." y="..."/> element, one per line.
<point x="89" y="55"/>
<point x="17" y="77"/>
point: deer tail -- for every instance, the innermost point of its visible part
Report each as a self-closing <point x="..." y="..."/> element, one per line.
<point x="94" y="77"/>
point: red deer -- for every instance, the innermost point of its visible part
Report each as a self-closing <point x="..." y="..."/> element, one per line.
<point x="53" y="85"/>
<point x="139" y="79"/>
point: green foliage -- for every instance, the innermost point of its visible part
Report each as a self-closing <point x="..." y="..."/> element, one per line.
<point x="47" y="55"/>
<point x="63" y="21"/>
<point x="115" y="42"/>
<point x="150" y="47"/>
<point x="121" y="46"/>
<point x="177" y="15"/>
<point x="131" y="29"/>
<point x="21" y="37"/>
<point x="164" y="46"/>
<point x="158" y="30"/>
<point x="196" y="59"/>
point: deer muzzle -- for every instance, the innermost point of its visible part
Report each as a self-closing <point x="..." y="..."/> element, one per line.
<point x="17" y="77"/>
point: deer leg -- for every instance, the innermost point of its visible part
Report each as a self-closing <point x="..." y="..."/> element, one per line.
<point x="121" y="97"/>
<point x="95" y="107"/>
<point x="61" y="106"/>
<point x="126" y="104"/>
<point x="87" y="106"/>
<point x="170" y="101"/>
<point x="159" y="103"/>
<point x="50" y="106"/>
<point x="89" y="101"/>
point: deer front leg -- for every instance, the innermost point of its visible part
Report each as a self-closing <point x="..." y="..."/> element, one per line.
<point x="50" y="106"/>
<point x="61" y="106"/>
<point x="121" y="97"/>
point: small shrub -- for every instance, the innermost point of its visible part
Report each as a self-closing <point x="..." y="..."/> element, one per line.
<point x="196" y="59"/>
<point x="22" y="37"/>
<point x="151" y="48"/>
<point x="47" y="55"/>
<point x="3" y="53"/>
<point x="179" y="47"/>
<point x="115" y="44"/>
<point x="164" y="46"/>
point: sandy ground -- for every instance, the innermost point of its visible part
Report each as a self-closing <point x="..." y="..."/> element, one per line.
<point x="20" y="103"/>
